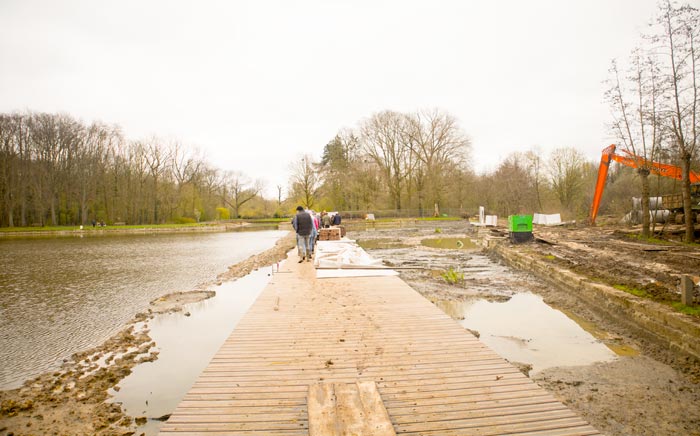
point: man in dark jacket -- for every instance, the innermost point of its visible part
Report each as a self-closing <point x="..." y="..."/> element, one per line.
<point x="303" y="225"/>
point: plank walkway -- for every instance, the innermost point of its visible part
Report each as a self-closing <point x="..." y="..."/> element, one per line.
<point x="434" y="377"/>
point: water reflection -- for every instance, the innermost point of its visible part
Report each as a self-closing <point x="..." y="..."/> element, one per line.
<point x="525" y="329"/>
<point x="63" y="295"/>
<point x="186" y="345"/>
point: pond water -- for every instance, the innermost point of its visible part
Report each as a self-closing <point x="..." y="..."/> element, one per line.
<point x="525" y="329"/>
<point x="185" y="344"/>
<point x="61" y="295"/>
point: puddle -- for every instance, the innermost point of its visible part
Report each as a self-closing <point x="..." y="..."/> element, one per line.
<point x="186" y="345"/>
<point x="598" y="333"/>
<point x="525" y="329"/>
<point x="450" y="243"/>
<point x="381" y="243"/>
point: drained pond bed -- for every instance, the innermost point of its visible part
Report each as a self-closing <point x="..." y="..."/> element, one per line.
<point x="597" y="368"/>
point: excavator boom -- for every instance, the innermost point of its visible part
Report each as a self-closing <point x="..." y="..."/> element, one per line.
<point x="633" y="161"/>
<point x="657" y="168"/>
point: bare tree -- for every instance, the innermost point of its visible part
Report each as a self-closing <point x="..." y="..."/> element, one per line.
<point x="305" y="181"/>
<point x="508" y="189"/>
<point x="636" y="118"/>
<point x="238" y="190"/>
<point x="187" y="168"/>
<point x="533" y="160"/>
<point x="383" y="142"/>
<point x="436" y="141"/>
<point x="158" y="160"/>
<point x="566" y="169"/>
<point x="678" y="45"/>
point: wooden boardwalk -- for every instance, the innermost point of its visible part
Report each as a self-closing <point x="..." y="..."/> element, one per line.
<point x="434" y="377"/>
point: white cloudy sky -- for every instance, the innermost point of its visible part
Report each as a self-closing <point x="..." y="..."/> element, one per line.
<point x="255" y="84"/>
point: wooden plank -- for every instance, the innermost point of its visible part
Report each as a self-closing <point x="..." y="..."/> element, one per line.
<point x="337" y="409"/>
<point x="344" y="350"/>
<point x="350" y="415"/>
<point x="377" y="420"/>
<point x="321" y="402"/>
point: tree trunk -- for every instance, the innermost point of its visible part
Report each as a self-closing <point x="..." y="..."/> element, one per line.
<point x="54" y="221"/>
<point x="687" y="206"/>
<point x="644" y="174"/>
<point x="10" y="211"/>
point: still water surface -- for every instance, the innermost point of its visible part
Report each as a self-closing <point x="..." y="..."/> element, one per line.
<point x="525" y="329"/>
<point x="185" y="344"/>
<point x="61" y="295"/>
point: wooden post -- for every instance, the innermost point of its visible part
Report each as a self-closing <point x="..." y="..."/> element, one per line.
<point x="687" y="287"/>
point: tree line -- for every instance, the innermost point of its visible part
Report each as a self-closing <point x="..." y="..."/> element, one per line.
<point x="420" y="162"/>
<point x="57" y="170"/>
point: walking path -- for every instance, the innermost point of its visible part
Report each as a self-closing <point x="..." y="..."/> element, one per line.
<point x="306" y="338"/>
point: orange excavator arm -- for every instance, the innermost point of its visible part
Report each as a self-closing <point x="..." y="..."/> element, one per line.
<point x="657" y="168"/>
<point x="633" y="161"/>
<point x="608" y="153"/>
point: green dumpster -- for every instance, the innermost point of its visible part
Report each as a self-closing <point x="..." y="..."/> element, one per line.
<point x="520" y="223"/>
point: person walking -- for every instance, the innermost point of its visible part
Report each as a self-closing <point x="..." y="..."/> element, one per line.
<point x="303" y="225"/>
<point x="314" y="232"/>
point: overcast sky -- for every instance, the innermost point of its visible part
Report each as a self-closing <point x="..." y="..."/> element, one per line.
<point x="256" y="84"/>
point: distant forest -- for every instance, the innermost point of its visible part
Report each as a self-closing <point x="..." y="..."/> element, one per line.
<point x="57" y="170"/>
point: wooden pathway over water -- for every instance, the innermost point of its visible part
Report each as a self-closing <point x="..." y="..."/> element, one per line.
<point x="434" y="378"/>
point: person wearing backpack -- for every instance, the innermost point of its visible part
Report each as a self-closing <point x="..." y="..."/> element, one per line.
<point x="303" y="225"/>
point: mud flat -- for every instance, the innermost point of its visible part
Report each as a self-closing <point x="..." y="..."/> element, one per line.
<point x="650" y="388"/>
<point x="669" y="335"/>
<point x="653" y="393"/>
<point x="73" y="400"/>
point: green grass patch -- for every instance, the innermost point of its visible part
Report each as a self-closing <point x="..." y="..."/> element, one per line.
<point x="649" y="240"/>
<point x="549" y="256"/>
<point x="89" y="228"/>
<point x="268" y="220"/>
<point x="693" y="310"/>
<point x="634" y="291"/>
<point x="453" y="276"/>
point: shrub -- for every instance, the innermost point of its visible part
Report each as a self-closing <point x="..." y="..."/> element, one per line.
<point x="223" y="213"/>
<point x="453" y="276"/>
<point x="184" y="220"/>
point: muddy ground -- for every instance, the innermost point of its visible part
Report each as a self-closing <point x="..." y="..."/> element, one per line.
<point x="71" y="401"/>
<point x="646" y="390"/>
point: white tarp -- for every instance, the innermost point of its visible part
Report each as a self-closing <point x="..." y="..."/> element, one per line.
<point x="345" y="258"/>
<point x="335" y="273"/>
<point x="491" y="220"/>
<point x="547" y="219"/>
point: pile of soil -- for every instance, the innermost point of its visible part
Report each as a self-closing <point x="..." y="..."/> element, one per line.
<point x="648" y="391"/>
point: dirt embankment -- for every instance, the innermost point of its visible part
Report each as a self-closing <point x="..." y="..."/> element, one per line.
<point x="651" y="389"/>
<point x="72" y="400"/>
